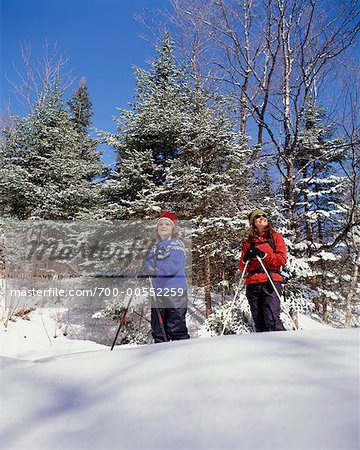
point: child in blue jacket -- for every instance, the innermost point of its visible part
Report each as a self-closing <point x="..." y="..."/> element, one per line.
<point x="166" y="264"/>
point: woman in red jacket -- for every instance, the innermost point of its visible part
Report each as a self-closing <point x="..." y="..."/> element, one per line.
<point x="263" y="241"/>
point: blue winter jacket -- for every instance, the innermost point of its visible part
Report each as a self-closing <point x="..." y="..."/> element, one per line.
<point x="166" y="263"/>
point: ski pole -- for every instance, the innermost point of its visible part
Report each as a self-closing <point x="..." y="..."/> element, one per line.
<point x="158" y="312"/>
<point x="123" y="317"/>
<point x="236" y="294"/>
<point x="122" y="321"/>
<point x="275" y="289"/>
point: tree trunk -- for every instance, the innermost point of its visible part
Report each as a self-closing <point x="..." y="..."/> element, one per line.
<point x="309" y="232"/>
<point x="324" y="309"/>
<point x="295" y="317"/>
<point x="351" y="294"/>
<point x="223" y="289"/>
<point x="243" y="108"/>
<point x="289" y="193"/>
<point x="318" y="220"/>
<point x="208" y="306"/>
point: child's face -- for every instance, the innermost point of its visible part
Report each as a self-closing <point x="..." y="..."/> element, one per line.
<point x="165" y="229"/>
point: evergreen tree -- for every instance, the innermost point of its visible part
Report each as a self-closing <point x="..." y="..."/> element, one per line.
<point x="320" y="190"/>
<point x="81" y="107"/>
<point x="148" y="134"/>
<point x="43" y="170"/>
<point x="81" y="111"/>
<point x="320" y="208"/>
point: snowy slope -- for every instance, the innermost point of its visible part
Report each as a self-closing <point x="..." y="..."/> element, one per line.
<point x="289" y="390"/>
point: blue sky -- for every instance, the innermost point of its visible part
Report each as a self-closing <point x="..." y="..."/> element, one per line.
<point x="101" y="37"/>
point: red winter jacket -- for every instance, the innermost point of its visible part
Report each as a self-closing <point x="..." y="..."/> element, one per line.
<point x="272" y="261"/>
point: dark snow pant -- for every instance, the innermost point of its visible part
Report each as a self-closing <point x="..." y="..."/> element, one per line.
<point x="173" y="320"/>
<point x="265" y="306"/>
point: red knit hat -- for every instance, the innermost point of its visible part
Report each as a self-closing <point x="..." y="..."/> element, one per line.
<point x="167" y="215"/>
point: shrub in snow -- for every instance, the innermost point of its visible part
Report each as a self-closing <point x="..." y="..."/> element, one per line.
<point x="298" y="297"/>
<point x="22" y="313"/>
<point x="237" y="319"/>
<point x="134" y="331"/>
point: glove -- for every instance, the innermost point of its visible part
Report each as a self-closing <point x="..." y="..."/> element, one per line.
<point x="253" y="252"/>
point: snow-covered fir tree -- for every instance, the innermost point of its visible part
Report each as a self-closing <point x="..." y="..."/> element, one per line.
<point x="148" y="135"/>
<point x="44" y="171"/>
<point x="81" y="110"/>
<point x="81" y="107"/>
<point x="321" y="192"/>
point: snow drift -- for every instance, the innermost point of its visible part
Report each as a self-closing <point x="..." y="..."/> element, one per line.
<point x="289" y="390"/>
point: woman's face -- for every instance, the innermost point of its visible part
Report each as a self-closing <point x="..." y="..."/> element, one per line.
<point x="165" y="229"/>
<point x="260" y="222"/>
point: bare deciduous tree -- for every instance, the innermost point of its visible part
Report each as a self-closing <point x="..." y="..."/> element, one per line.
<point x="274" y="56"/>
<point x="34" y="77"/>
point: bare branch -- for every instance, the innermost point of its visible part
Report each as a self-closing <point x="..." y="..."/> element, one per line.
<point x="34" y="77"/>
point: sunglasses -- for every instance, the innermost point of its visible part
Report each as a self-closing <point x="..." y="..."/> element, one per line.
<point x="258" y="216"/>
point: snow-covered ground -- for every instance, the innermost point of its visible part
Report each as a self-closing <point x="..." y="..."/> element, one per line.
<point x="289" y="390"/>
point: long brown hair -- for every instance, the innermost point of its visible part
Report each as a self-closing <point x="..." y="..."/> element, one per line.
<point x="253" y="232"/>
